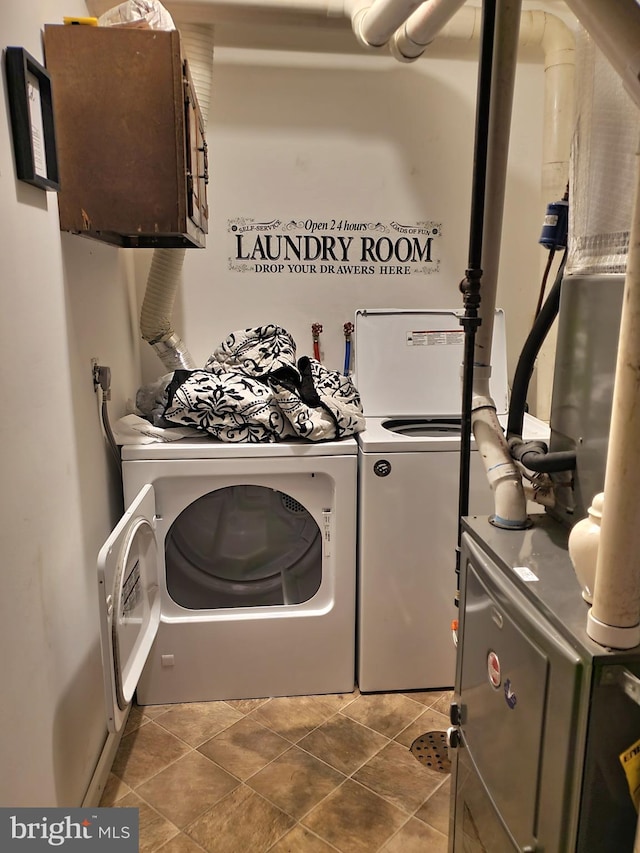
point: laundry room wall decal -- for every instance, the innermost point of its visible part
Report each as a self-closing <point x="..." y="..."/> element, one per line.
<point x="332" y="246"/>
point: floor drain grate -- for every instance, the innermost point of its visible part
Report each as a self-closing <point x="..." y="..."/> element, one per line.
<point x="431" y="750"/>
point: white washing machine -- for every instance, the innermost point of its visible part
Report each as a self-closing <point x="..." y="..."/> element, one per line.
<point x="231" y="574"/>
<point x="407" y="366"/>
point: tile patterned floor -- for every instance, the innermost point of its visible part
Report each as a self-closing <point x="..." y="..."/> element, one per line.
<point x="304" y="774"/>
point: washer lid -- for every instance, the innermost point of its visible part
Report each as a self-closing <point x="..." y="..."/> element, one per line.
<point x="378" y="438"/>
<point x="129" y="600"/>
<point x="408" y="362"/>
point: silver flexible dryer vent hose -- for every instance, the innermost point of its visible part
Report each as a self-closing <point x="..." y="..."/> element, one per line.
<point x="166" y="265"/>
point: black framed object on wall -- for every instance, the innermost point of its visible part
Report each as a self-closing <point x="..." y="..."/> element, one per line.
<point x="32" y="125"/>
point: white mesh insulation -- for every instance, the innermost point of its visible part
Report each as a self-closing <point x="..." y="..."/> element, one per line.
<point x="603" y="165"/>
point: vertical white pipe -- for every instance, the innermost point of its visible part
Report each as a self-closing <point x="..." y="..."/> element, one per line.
<point x="558" y="45"/>
<point x="502" y="85"/>
<point x="502" y="473"/>
<point x="614" y="618"/>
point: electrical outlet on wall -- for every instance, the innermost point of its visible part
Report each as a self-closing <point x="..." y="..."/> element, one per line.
<point x="101" y="378"/>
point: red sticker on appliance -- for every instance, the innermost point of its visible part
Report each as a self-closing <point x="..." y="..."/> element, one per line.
<point x="493" y="669"/>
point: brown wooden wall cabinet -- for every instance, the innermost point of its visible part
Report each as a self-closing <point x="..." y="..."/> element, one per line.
<point x="131" y="147"/>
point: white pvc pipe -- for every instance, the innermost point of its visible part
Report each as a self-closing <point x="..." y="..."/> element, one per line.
<point x="214" y="11"/>
<point x="558" y="46"/>
<point x="375" y="24"/>
<point x="502" y="89"/>
<point x="411" y="39"/>
<point x="510" y="504"/>
<point x="502" y="472"/>
<point x="614" y="618"/>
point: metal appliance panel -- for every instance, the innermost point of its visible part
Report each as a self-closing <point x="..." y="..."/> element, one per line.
<point x="406" y="560"/>
<point x="586" y="350"/>
<point x="477" y="824"/>
<point x="503" y="685"/>
<point x="589" y="720"/>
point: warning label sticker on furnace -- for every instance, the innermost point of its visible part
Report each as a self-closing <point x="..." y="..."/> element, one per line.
<point x="630" y="760"/>
<point x="432" y="338"/>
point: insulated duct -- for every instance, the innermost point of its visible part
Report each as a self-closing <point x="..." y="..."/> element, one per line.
<point x="603" y="166"/>
<point x="614" y="26"/>
<point x="166" y="265"/>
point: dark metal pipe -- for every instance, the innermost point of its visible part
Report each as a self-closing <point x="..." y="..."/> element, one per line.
<point x="470" y="286"/>
<point x="529" y="354"/>
<point x="481" y="141"/>
<point x="534" y="455"/>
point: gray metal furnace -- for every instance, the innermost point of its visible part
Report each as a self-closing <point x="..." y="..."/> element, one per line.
<point x="541" y="714"/>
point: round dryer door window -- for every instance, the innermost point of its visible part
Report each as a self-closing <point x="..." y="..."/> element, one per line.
<point x="243" y="546"/>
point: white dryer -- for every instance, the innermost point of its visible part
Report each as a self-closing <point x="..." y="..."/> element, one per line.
<point x="407" y="366"/>
<point x="231" y="574"/>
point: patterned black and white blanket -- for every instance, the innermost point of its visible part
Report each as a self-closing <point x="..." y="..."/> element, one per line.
<point x="252" y="390"/>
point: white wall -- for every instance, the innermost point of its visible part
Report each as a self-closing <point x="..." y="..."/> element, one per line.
<point x="329" y="132"/>
<point x="64" y="300"/>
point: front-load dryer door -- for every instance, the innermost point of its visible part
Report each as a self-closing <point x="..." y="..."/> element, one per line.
<point x="129" y="598"/>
